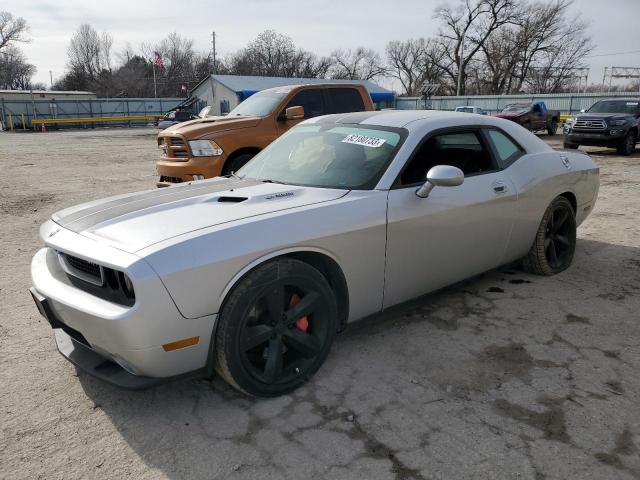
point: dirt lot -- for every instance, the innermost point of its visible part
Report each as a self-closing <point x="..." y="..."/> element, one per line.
<point x="505" y="376"/>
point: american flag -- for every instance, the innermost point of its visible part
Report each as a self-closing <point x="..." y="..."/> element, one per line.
<point x="157" y="60"/>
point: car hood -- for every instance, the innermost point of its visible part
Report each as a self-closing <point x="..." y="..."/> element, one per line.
<point x="194" y="129"/>
<point x="601" y="116"/>
<point x="134" y="221"/>
<point x="509" y="114"/>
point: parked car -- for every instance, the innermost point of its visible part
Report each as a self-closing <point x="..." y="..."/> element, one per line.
<point x="612" y="123"/>
<point x="471" y="109"/>
<point x="220" y="145"/>
<point x="533" y="116"/>
<point x="174" y="117"/>
<point x="341" y="217"/>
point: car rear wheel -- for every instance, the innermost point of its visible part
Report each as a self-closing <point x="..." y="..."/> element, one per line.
<point x="236" y="163"/>
<point x="276" y="328"/>
<point x="570" y="146"/>
<point x="553" y="128"/>
<point x="555" y="243"/>
<point x="628" y="144"/>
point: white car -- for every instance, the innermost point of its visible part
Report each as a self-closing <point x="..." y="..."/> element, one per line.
<point x="341" y="217"/>
<point x="471" y="109"/>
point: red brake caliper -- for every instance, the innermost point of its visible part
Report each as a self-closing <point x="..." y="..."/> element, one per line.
<point x="301" y="323"/>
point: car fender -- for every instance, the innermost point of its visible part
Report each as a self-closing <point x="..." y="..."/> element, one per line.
<point x="265" y="258"/>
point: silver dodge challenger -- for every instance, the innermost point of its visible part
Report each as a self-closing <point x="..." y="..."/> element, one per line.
<point x="342" y="217"/>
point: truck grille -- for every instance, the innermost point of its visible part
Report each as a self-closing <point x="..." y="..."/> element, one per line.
<point x="82" y="269"/>
<point x="589" y="125"/>
<point x="174" y="148"/>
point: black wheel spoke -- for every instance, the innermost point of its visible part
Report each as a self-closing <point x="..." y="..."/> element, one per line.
<point x="275" y="302"/>
<point x="562" y="239"/>
<point x="558" y="222"/>
<point x="552" y="254"/>
<point x="256" y="335"/>
<point x="273" y="366"/>
<point x="304" y="307"/>
<point x="304" y="343"/>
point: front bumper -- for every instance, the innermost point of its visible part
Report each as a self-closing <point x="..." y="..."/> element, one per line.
<point x="130" y="337"/>
<point x="178" y="171"/>
<point x="610" y="137"/>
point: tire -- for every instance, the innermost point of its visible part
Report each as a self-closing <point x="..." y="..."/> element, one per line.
<point x="527" y="125"/>
<point x="260" y="348"/>
<point x="628" y="145"/>
<point x="236" y="163"/>
<point x="555" y="243"/>
<point x="570" y="146"/>
<point x="552" y="128"/>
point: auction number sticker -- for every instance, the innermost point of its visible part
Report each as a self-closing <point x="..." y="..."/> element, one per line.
<point x="632" y="104"/>
<point x="365" y="140"/>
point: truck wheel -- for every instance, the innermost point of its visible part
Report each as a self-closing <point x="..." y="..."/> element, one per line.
<point x="552" y="128"/>
<point x="236" y="163"/>
<point x="570" y="146"/>
<point x="628" y="145"/>
<point x="527" y="125"/>
<point x="555" y="242"/>
<point x="276" y="328"/>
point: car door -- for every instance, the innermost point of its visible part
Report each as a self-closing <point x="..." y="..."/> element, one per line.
<point x="538" y="117"/>
<point x="311" y="100"/>
<point x="454" y="233"/>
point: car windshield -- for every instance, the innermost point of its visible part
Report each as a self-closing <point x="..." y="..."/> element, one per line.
<point x="330" y="156"/>
<point x="616" y="106"/>
<point x="259" y="104"/>
<point x="516" y="108"/>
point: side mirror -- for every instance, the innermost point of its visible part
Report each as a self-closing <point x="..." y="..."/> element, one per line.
<point x="582" y="110"/>
<point x="294" y="113"/>
<point x="441" y="176"/>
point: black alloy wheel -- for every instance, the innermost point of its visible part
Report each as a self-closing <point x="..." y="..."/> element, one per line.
<point x="276" y="328"/>
<point x="553" y="248"/>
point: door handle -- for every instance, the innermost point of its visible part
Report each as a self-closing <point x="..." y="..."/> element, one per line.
<point x="499" y="187"/>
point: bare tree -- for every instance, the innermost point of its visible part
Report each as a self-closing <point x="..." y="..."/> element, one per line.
<point x="12" y="29"/>
<point x="15" y="71"/>
<point x="412" y="63"/>
<point x="90" y="52"/>
<point x="359" y="64"/>
<point x="466" y="28"/>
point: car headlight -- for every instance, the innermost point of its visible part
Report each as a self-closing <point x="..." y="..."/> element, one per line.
<point x="618" y="123"/>
<point x="205" y="148"/>
<point x="570" y="121"/>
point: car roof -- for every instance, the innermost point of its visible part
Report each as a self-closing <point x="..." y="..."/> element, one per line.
<point x="417" y="122"/>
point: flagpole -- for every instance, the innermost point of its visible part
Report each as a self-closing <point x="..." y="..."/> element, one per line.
<point x="155" y="89"/>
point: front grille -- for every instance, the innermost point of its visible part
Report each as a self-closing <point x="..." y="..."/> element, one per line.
<point x="174" y="148"/>
<point x="589" y="125"/>
<point x="164" y="178"/>
<point x="82" y="269"/>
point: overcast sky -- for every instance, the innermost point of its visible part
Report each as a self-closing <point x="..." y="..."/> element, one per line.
<point x="319" y="26"/>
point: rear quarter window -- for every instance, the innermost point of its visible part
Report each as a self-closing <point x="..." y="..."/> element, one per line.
<point x="345" y="100"/>
<point x="506" y="149"/>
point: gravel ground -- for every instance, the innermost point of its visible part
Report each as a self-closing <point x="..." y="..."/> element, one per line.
<point x="507" y="375"/>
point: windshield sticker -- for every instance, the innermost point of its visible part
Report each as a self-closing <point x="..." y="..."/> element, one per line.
<point x="364" y="140"/>
<point x="632" y="104"/>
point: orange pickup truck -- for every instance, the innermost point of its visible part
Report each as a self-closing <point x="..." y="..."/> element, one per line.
<point x="214" y="146"/>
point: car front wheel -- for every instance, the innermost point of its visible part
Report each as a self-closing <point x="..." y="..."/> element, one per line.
<point x="628" y="144"/>
<point x="275" y="328"/>
<point x="555" y="243"/>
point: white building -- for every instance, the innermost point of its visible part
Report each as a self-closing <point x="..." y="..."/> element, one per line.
<point x="224" y="92"/>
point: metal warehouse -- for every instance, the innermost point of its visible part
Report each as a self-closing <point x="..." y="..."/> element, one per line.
<point x="224" y="92"/>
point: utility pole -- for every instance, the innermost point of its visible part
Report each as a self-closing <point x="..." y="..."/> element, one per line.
<point x="213" y="44"/>
<point x="460" y="62"/>
<point x="51" y="78"/>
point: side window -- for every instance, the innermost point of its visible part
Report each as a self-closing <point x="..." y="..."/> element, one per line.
<point x="537" y="108"/>
<point x="311" y="100"/>
<point x="507" y="151"/>
<point x="344" y="100"/>
<point x="462" y="149"/>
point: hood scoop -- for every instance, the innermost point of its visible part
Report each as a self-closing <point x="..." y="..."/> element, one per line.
<point x="230" y="199"/>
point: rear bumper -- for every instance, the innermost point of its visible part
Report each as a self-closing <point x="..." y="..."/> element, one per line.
<point x="183" y="171"/>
